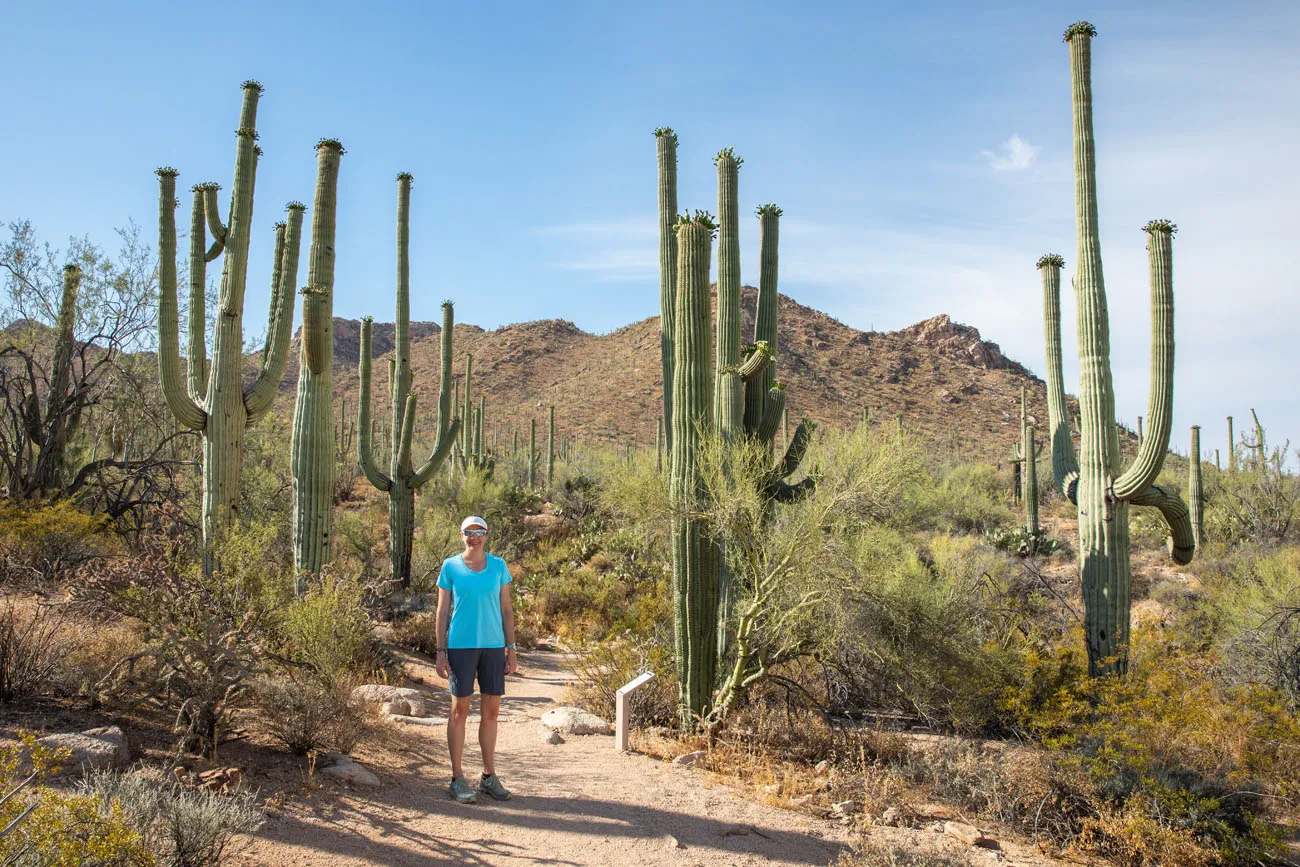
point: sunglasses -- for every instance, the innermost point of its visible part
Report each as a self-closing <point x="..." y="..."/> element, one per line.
<point x="474" y="532"/>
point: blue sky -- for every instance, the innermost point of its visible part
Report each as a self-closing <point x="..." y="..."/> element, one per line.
<point x="921" y="153"/>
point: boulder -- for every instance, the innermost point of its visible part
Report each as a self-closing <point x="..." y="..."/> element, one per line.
<point x="347" y="771"/>
<point x="575" y="721"/>
<point x="691" y="759"/>
<point x="549" y="736"/>
<point x="548" y="526"/>
<point x="383" y="693"/>
<point x="969" y="834"/>
<point x="94" y="749"/>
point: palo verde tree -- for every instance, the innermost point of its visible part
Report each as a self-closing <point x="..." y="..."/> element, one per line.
<point x="212" y="399"/>
<point x="1096" y="483"/>
<point x="402" y="479"/>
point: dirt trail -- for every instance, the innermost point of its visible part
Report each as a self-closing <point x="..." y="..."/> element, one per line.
<point x="576" y="803"/>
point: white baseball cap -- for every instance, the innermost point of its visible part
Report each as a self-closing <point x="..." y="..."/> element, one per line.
<point x="473" y="521"/>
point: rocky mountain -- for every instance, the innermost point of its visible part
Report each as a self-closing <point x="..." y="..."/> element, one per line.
<point x="949" y="384"/>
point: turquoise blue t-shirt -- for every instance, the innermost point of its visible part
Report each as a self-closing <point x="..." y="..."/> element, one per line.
<point x="476" y="602"/>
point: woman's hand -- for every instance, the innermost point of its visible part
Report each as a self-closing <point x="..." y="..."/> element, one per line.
<point x="512" y="662"/>
<point x="440" y="665"/>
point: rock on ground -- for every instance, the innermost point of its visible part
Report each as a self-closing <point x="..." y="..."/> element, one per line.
<point x="343" y="769"/>
<point x="575" y="721"/>
<point x="94" y="749"/>
<point x="401" y="700"/>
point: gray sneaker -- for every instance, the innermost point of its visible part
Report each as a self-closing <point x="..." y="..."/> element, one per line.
<point x="461" y="792"/>
<point x="491" y="785"/>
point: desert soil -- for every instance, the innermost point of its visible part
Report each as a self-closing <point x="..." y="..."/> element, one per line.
<point x="575" y="803"/>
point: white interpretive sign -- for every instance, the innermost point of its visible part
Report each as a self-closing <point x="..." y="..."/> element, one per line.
<point x="623" y="723"/>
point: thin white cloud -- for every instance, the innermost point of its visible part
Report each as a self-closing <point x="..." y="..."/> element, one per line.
<point x="617" y="249"/>
<point x="1014" y="155"/>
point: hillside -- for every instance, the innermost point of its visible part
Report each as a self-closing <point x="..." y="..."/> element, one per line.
<point x="948" y="383"/>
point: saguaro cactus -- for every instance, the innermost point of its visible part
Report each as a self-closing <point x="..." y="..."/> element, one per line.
<point x="403" y="479"/>
<point x="695" y="553"/>
<point x="1232" y="448"/>
<point x="666" y="147"/>
<point x="1101" y="492"/>
<point x="1194" y="496"/>
<point x="550" y="447"/>
<point x="214" y="402"/>
<point x="311" y="454"/>
<point x="1027" y="454"/>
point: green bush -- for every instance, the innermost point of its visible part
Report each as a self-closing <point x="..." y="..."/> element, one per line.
<point x="327" y="631"/>
<point x="308" y="715"/>
<point x="49" y="542"/>
<point x="969" y="498"/>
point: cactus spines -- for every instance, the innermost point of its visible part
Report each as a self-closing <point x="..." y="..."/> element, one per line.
<point x="695" y="554"/>
<point x="1103" y="494"/>
<point x="403" y="479"/>
<point x="666" y="147"/>
<point x="1195" y="499"/>
<point x="311" y="453"/>
<point x="211" y="399"/>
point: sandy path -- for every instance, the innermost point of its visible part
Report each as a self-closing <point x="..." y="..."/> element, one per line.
<point x="577" y="803"/>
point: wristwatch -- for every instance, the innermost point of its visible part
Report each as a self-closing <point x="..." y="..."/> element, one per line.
<point x="510" y="646"/>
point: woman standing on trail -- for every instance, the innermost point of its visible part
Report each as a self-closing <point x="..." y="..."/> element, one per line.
<point x="476" y="638"/>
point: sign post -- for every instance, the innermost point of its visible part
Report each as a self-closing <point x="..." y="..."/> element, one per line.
<point x="623" y="722"/>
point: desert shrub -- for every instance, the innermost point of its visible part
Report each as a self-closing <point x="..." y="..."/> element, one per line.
<point x="969" y="498"/>
<point x="601" y="668"/>
<point x="1256" y="604"/>
<point x="307" y="715"/>
<point x="419" y="632"/>
<point x="34" y="642"/>
<point x="922" y="633"/>
<point x="48" y="542"/>
<point x="1260" y="502"/>
<point x="205" y="634"/>
<point x="1019" y="541"/>
<point x="326" y="630"/>
<point x="93" y="657"/>
<point x="64" y="828"/>
<point x="185" y="827"/>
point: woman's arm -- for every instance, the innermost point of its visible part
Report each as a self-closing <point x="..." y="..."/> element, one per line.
<point x="444" y="617"/>
<point x="508" y="625"/>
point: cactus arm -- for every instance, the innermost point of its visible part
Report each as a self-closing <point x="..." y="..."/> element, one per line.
<point x="212" y="212"/>
<point x="1155" y="440"/>
<point x="318" y="294"/>
<point x="729" y="394"/>
<point x="184" y="407"/>
<point x="444" y="372"/>
<point x="1195" y="498"/>
<point x="365" y="445"/>
<point x="795" y="453"/>
<point x="756" y="363"/>
<point x="197" y="345"/>
<point x="1065" y="465"/>
<point x="280" y="327"/>
<point x="1182" y="541"/>
<point x="783" y="492"/>
<point x="758" y="390"/>
<point x="440" y="452"/>
<point x="234" y="277"/>
<point x="666" y="150"/>
<point x="773" y="412"/>
<point x="403" y="450"/>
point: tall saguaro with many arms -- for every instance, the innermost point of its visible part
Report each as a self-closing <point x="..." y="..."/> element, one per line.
<point x="214" y="401"/>
<point x="1095" y="483"/>
<point x="311" y="455"/>
<point x="402" y="479"/>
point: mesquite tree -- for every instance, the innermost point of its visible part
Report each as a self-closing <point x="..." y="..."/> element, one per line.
<point x="402" y="479"/>
<point x="212" y="399"/>
<point x="1095" y="483"/>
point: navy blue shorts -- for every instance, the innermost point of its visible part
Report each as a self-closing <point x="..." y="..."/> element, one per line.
<point x="487" y="663"/>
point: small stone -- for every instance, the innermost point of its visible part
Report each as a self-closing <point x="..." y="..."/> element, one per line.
<point x="549" y="736"/>
<point x="803" y="800"/>
<point x="969" y="834"/>
<point x="822" y="768"/>
<point x="348" y="771"/>
<point x="418" y="720"/>
<point x="691" y="759"/>
<point x="575" y="721"/>
<point x="892" y="817"/>
<point x="671" y="842"/>
<point x="772" y="789"/>
<point x="844" y="808"/>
